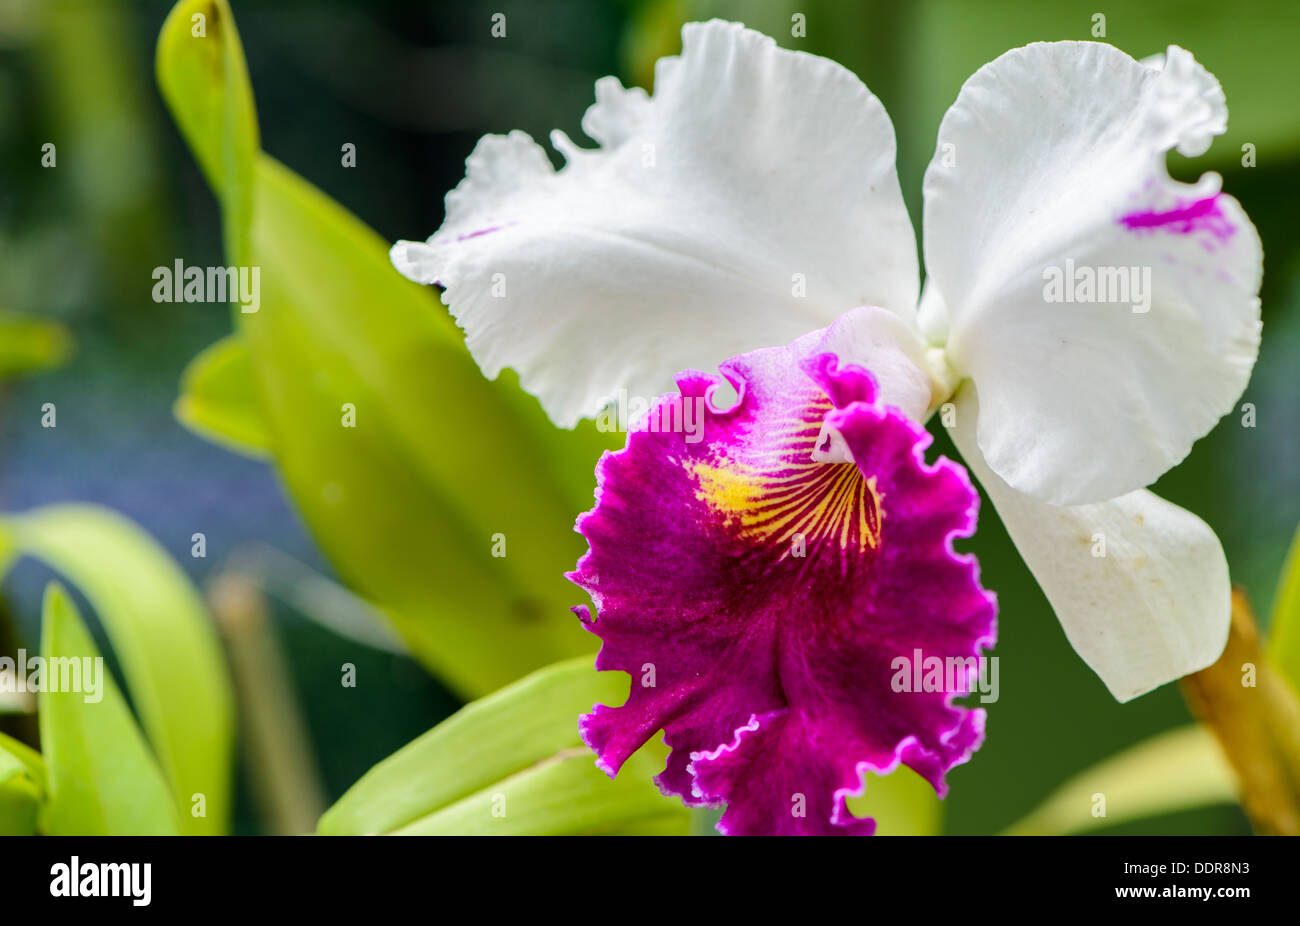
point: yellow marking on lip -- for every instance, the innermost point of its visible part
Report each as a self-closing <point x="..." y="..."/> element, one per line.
<point x="789" y="430"/>
<point x="834" y="499"/>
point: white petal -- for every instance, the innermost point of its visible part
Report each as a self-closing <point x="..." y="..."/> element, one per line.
<point x="1051" y="162"/>
<point x="885" y="344"/>
<point x="932" y="314"/>
<point x="1154" y="608"/>
<point x="751" y="199"/>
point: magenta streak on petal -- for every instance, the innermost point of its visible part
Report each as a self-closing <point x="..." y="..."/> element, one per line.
<point x="1184" y="219"/>
<point x="771" y="671"/>
<point x="484" y="231"/>
<point x="469" y="236"/>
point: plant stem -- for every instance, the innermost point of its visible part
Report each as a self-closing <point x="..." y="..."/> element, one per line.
<point x="278" y="755"/>
<point x="1255" y="716"/>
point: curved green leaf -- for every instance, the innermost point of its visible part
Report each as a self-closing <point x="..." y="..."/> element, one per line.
<point x="512" y="763"/>
<point x="1177" y="770"/>
<point x="219" y="399"/>
<point x="102" y="779"/>
<point x="203" y="77"/>
<point x="161" y="633"/>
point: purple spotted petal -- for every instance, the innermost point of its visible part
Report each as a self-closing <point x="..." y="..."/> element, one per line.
<point x="759" y="599"/>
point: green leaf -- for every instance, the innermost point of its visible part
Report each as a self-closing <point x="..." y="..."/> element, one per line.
<point x="1284" y="626"/>
<point x="10" y="766"/>
<point x="102" y="779"/>
<point x="902" y="803"/>
<point x="219" y="400"/>
<point x="28" y="345"/>
<point x="1178" y="770"/>
<point x="204" y="80"/>
<point x="442" y="468"/>
<point x="161" y="632"/>
<point x="441" y="464"/>
<point x="22" y="787"/>
<point x="513" y="763"/>
<point x="30" y="760"/>
<point x="20" y="804"/>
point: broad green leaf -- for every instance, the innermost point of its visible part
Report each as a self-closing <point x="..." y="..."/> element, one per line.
<point x="441" y="466"/>
<point x="446" y="500"/>
<point x="161" y="633"/>
<point x="203" y="77"/>
<point x="512" y="763"/>
<point x="1178" y="770"/>
<point x="1284" y="626"/>
<point x="102" y="778"/>
<point x="219" y="399"/>
<point x="28" y="345"/>
<point x="563" y="795"/>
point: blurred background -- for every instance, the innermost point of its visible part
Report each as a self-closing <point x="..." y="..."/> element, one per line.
<point x="413" y="85"/>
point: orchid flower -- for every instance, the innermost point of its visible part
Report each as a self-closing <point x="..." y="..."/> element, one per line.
<point x="759" y="585"/>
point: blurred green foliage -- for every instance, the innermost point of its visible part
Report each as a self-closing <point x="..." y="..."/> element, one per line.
<point x="1284" y="641"/>
<point x="29" y="345"/>
<point x="162" y="634"/>
<point x="170" y="657"/>
<point x="1173" y="771"/>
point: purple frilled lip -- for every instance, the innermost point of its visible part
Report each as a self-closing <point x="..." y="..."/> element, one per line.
<point x="759" y="600"/>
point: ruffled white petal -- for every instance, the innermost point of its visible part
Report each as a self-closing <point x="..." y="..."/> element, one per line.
<point x="1153" y="608"/>
<point x="891" y="348"/>
<point x="885" y="344"/>
<point x="751" y="199"/>
<point x="1050" y="169"/>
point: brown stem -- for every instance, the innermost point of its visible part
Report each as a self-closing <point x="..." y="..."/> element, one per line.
<point x="277" y="749"/>
<point x="1255" y="715"/>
